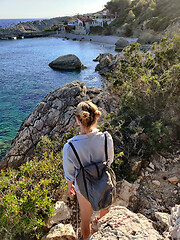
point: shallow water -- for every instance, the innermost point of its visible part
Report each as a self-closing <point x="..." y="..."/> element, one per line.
<point x="25" y="77"/>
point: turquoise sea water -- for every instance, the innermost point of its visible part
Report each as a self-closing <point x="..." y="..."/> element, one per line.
<point x="25" y="77"/>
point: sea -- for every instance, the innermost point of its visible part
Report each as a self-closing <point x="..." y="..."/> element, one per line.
<point x="25" y="77"/>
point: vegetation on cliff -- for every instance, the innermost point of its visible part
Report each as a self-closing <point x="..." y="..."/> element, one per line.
<point x="144" y="14"/>
<point x="27" y="195"/>
<point x="146" y="86"/>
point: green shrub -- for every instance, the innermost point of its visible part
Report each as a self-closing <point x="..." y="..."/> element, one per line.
<point x="147" y="89"/>
<point x="47" y="29"/>
<point x="27" y="195"/>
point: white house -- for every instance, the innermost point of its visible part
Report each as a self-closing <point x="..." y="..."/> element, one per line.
<point x="102" y="17"/>
<point x="76" y="26"/>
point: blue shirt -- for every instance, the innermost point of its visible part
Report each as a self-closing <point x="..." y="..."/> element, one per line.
<point x="89" y="147"/>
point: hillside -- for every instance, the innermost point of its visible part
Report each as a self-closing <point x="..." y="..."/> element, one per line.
<point x="37" y="26"/>
<point x="144" y="17"/>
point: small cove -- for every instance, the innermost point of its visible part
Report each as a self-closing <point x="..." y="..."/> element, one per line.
<point x="25" y="77"/>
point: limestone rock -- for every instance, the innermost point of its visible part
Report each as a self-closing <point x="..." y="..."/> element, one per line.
<point x="121" y="223"/>
<point x="61" y="232"/>
<point x="136" y="165"/>
<point x="174" y="228"/>
<point x="163" y="219"/>
<point x="66" y="62"/>
<point x="52" y="117"/>
<point x="103" y="55"/>
<point x="126" y="192"/>
<point x="62" y="212"/>
<point x="121" y="43"/>
<point x="156" y="183"/>
<point x="105" y="61"/>
<point x="108" y="62"/>
<point x="173" y="180"/>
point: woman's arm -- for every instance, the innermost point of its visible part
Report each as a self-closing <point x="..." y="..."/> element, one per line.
<point x="110" y="148"/>
<point x="68" y="166"/>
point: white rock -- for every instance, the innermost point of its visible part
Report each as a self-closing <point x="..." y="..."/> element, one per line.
<point x="62" y="212"/>
<point x="151" y="165"/>
<point x="126" y="191"/>
<point x="174" y="228"/>
<point x="149" y="169"/>
<point x="163" y="218"/>
<point x="156" y="183"/>
<point x="120" y="223"/>
<point x="61" y="231"/>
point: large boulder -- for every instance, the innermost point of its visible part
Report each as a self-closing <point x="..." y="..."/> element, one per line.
<point x="121" y="43"/>
<point x="121" y="223"/>
<point x="53" y="116"/>
<point x="108" y="62"/>
<point x="66" y="62"/>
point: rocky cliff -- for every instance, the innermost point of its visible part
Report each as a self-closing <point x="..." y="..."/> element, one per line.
<point x="150" y="198"/>
<point x="30" y="27"/>
<point x="147" y="20"/>
<point x="51" y="117"/>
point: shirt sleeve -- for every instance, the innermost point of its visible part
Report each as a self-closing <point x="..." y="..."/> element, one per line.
<point x="110" y="148"/>
<point x="68" y="166"/>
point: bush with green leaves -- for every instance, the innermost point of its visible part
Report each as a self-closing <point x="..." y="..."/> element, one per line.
<point x="27" y="195"/>
<point x="148" y="83"/>
<point x="47" y="29"/>
<point x="147" y="88"/>
<point x="156" y="15"/>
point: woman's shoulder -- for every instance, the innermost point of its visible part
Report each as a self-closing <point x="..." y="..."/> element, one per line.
<point x="95" y="133"/>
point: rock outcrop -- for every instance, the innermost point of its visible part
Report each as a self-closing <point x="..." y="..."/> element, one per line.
<point x="149" y="37"/>
<point x="61" y="212"/>
<point x="107" y="62"/>
<point x="53" y="116"/>
<point x="61" y="231"/>
<point x="31" y="27"/>
<point x="174" y="228"/>
<point x="66" y="62"/>
<point x="121" y="223"/>
<point x="121" y="43"/>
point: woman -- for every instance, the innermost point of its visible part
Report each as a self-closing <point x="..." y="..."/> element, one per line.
<point x="89" y="145"/>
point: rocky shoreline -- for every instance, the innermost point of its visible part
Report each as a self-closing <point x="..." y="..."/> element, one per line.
<point x="95" y="38"/>
<point x="142" y="209"/>
<point x="30" y="29"/>
<point x="144" y="206"/>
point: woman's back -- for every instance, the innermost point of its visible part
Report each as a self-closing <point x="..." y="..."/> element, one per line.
<point x="90" y="147"/>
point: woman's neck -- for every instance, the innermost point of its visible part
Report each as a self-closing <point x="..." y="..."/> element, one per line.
<point x="84" y="130"/>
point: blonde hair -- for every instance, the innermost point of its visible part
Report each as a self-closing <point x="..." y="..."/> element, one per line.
<point x="87" y="113"/>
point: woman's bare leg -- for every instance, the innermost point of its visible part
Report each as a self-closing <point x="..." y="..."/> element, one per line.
<point x="103" y="212"/>
<point x="85" y="213"/>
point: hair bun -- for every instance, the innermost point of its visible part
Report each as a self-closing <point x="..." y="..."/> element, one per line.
<point x="97" y="113"/>
<point x="84" y="114"/>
